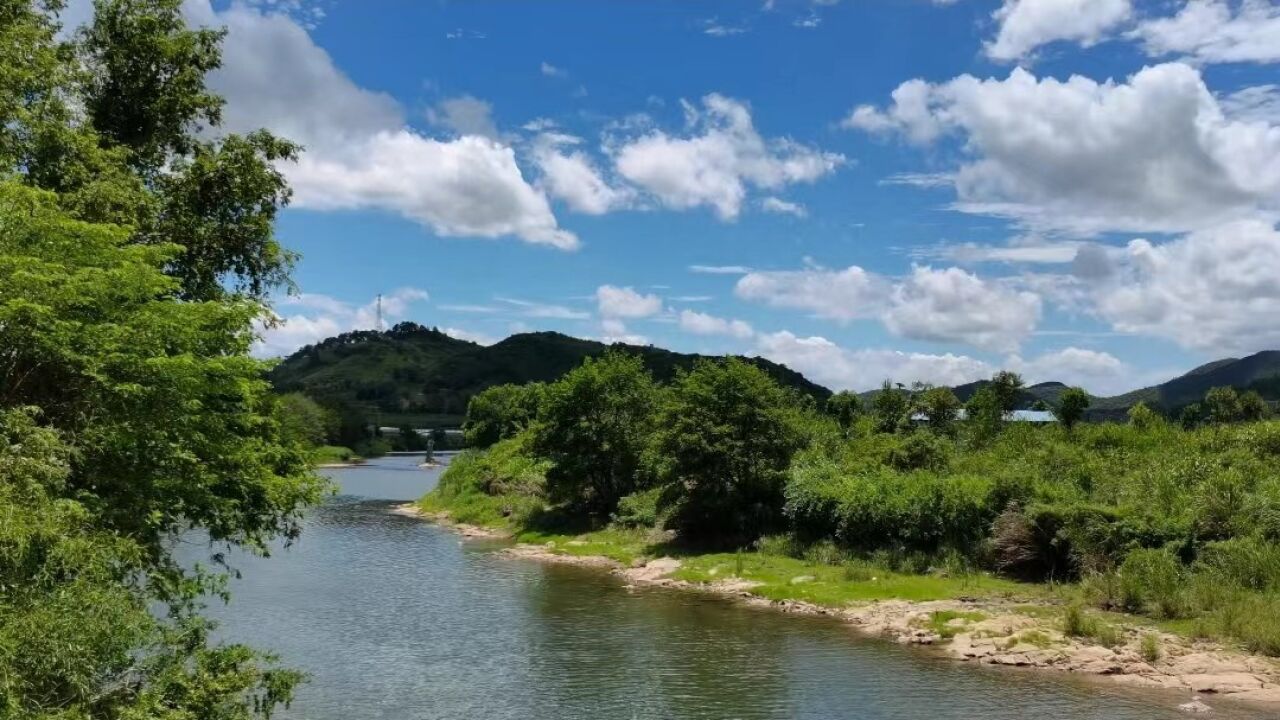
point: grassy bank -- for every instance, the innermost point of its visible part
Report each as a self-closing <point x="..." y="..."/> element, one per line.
<point x="334" y="455"/>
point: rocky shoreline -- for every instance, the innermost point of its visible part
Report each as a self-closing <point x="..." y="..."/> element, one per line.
<point x="983" y="631"/>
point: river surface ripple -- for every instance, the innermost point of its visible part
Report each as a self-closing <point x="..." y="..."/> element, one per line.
<point x="395" y="618"/>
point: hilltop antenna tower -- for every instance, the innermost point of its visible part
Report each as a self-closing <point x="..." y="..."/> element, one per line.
<point x="380" y="327"/>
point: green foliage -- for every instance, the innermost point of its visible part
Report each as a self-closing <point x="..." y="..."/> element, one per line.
<point x="303" y="421"/>
<point x="501" y="412"/>
<point x="1151" y="580"/>
<point x="725" y="436"/>
<point x="594" y="426"/>
<point x="984" y="414"/>
<point x="890" y="409"/>
<point x="919" y="451"/>
<point x="639" y="509"/>
<point x="1143" y="417"/>
<point x="845" y="407"/>
<point x="415" y="374"/>
<point x="1071" y="406"/>
<point x="503" y="486"/>
<point x="133" y="258"/>
<point x="940" y="408"/>
<point x="1150" y="647"/>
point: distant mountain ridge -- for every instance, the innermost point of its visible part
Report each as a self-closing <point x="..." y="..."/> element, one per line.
<point x="416" y="375"/>
<point x="1259" y="372"/>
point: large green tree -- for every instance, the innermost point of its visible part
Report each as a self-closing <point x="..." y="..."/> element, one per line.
<point x="594" y="426"/>
<point x="725" y="437"/>
<point x="135" y="255"/>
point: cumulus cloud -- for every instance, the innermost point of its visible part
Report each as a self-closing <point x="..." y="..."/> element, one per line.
<point x="573" y="177"/>
<point x="625" y="302"/>
<point x="475" y="337"/>
<point x="309" y="318"/>
<point x="704" y="324"/>
<point x="953" y="305"/>
<point x="360" y="153"/>
<point x="465" y="115"/>
<point x="1028" y="24"/>
<point x="1212" y="290"/>
<point x="1155" y="153"/>
<point x="1099" y="372"/>
<point x="717" y="165"/>
<point x="843" y="295"/>
<point x="842" y="368"/>
<point x="946" y="305"/>
<point x="615" y="331"/>
<point x="1210" y="31"/>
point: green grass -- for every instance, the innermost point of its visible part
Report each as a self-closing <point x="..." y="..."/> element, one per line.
<point x="939" y="621"/>
<point x="829" y="586"/>
<point x="330" y="454"/>
<point x="621" y="545"/>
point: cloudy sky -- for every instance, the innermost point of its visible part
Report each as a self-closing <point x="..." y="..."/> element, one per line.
<point x="1081" y="190"/>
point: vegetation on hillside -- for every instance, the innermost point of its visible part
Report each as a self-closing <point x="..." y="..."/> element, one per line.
<point x="135" y="254"/>
<point x="414" y="375"/>
<point x="1145" y="516"/>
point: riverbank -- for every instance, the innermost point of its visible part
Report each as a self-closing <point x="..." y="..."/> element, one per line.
<point x="971" y="618"/>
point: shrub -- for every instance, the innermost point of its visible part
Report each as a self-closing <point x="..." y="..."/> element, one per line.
<point x="919" y="451"/>
<point x="1150" y="647"/>
<point x="1152" y="580"/>
<point x="639" y="509"/>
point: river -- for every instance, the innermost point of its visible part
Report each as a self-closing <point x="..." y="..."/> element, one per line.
<point x="395" y="618"/>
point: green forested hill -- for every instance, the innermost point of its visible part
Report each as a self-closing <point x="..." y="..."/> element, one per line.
<point x="421" y="376"/>
<point x="1260" y="372"/>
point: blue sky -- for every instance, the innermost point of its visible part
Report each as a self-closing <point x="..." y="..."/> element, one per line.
<point x="1082" y="190"/>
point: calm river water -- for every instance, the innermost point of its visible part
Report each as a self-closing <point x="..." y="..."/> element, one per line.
<point x="395" y="618"/>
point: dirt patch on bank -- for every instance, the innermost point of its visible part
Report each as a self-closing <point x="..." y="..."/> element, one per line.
<point x="442" y="518"/>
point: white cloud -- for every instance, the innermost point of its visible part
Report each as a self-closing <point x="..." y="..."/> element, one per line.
<point x="842" y="295"/>
<point x="544" y="311"/>
<point x="316" y="317"/>
<point x="615" y="331"/>
<point x="360" y="153"/>
<point x="574" y="178"/>
<point x="1050" y="253"/>
<point x="945" y="305"/>
<point x="469" y="336"/>
<point x="551" y="70"/>
<point x="841" y="368"/>
<point x="1210" y="31"/>
<point x="624" y="302"/>
<point x="1100" y="373"/>
<point x="1214" y="290"/>
<point x="704" y="324"/>
<point x="953" y="305"/>
<point x="465" y="115"/>
<point x="720" y="269"/>
<point x="1156" y="153"/>
<point x="717" y="166"/>
<point x="778" y="205"/>
<point x="1027" y="24"/>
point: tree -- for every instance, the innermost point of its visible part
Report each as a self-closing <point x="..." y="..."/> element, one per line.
<point x="1252" y="407"/>
<point x="1222" y="405"/>
<point x="594" y="425"/>
<point x="984" y="413"/>
<point x="167" y="423"/>
<point x="1007" y="387"/>
<point x="1143" y="417"/>
<point x="500" y="412"/>
<point x="134" y="254"/>
<point x="889" y="408"/>
<point x="845" y="407"/>
<point x="940" y="407"/>
<point x="304" y="421"/>
<point x="726" y="433"/>
<point x="1071" y="406"/>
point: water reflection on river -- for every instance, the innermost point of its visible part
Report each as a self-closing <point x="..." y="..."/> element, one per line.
<point x="395" y="618"/>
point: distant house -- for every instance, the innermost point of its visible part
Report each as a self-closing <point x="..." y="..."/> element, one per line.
<point x="1029" y="416"/>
